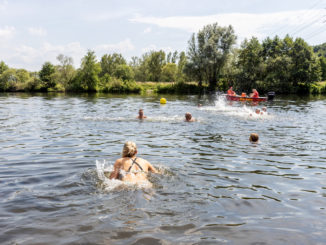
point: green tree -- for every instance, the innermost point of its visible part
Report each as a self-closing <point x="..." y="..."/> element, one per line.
<point x="124" y="72"/>
<point x="306" y="68"/>
<point x="47" y="75"/>
<point x="250" y="64"/>
<point x="181" y="67"/>
<point x="65" y="70"/>
<point x="3" y="67"/>
<point x="209" y="52"/>
<point x="154" y="63"/>
<point x="8" y="80"/>
<point x="110" y="62"/>
<point x="322" y="61"/>
<point x="89" y="71"/>
<point x="194" y="68"/>
<point x="320" y="50"/>
<point x="138" y="68"/>
<point x="22" y="75"/>
<point x="169" y="72"/>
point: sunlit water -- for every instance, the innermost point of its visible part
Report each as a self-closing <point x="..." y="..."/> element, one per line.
<point x="215" y="187"/>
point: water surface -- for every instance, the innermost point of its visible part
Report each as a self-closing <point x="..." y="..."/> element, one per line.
<point x="215" y="187"/>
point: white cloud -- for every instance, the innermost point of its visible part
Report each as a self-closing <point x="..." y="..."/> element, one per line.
<point x="148" y="30"/>
<point x="153" y="47"/>
<point x="105" y="16"/>
<point x="37" y="31"/>
<point x="3" y="5"/>
<point x="246" y="25"/>
<point x="33" y="58"/>
<point x="7" y="32"/>
<point x="119" y="47"/>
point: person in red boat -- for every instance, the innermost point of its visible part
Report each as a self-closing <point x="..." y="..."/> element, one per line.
<point x="254" y="93"/>
<point x="231" y="92"/>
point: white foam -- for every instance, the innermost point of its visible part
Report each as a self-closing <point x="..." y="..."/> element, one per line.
<point x="103" y="167"/>
<point x="232" y="108"/>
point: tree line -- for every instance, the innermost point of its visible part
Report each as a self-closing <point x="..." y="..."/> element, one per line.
<point x="212" y="61"/>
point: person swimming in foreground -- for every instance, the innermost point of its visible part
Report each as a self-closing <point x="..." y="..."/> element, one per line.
<point x="141" y="114"/>
<point x="131" y="168"/>
<point x="188" y="117"/>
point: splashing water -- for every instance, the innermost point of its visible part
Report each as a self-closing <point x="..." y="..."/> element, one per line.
<point x="231" y="108"/>
<point x="103" y="169"/>
<point x="175" y="118"/>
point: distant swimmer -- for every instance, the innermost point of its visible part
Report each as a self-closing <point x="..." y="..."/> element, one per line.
<point x="257" y="111"/>
<point x="189" y="117"/>
<point x="253" y="137"/>
<point x="254" y="93"/>
<point x="141" y="114"/>
<point x="130" y="168"/>
<point x="231" y="92"/>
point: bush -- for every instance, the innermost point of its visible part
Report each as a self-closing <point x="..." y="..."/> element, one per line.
<point x="315" y="89"/>
<point x="118" y="86"/>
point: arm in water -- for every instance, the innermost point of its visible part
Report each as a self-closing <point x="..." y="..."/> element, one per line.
<point x="151" y="168"/>
<point x="116" y="169"/>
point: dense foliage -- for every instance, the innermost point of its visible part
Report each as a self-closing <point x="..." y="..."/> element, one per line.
<point x="211" y="62"/>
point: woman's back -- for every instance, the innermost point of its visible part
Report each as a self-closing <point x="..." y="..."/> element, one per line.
<point x="131" y="168"/>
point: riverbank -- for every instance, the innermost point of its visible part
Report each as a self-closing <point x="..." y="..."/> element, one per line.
<point x="132" y="87"/>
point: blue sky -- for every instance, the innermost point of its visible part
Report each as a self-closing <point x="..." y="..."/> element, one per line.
<point x="34" y="31"/>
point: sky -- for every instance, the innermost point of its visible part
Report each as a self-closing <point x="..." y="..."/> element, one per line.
<point x="36" y="31"/>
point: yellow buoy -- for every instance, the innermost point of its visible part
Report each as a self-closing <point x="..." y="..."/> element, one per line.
<point x="163" y="101"/>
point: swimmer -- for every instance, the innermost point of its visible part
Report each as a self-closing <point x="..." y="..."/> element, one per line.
<point x="264" y="109"/>
<point x="257" y="111"/>
<point x="200" y="105"/>
<point x="189" y="117"/>
<point x="253" y="137"/>
<point x="130" y="168"/>
<point x="141" y="114"/>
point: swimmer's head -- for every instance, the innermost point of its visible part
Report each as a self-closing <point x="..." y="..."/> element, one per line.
<point x="188" y="116"/>
<point x="264" y="109"/>
<point x="141" y="112"/>
<point x="257" y="111"/>
<point x="254" y="137"/>
<point x="129" y="149"/>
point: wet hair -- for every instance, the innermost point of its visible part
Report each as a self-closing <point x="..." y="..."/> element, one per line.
<point x="129" y="149"/>
<point x="253" y="137"/>
<point x="188" y="114"/>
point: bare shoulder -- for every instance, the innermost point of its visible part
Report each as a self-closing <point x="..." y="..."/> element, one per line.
<point x="118" y="162"/>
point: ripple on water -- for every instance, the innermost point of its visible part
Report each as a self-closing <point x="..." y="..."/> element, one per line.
<point x="214" y="187"/>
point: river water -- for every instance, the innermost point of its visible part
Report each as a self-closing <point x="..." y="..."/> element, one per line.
<point x="215" y="187"/>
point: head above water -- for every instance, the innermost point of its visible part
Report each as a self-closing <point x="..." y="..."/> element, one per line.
<point x="129" y="149"/>
<point x="254" y="137"/>
<point x="257" y="111"/>
<point x="188" y="116"/>
<point x="141" y="112"/>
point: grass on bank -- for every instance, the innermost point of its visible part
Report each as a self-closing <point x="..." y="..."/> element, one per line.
<point x="318" y="88"/>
